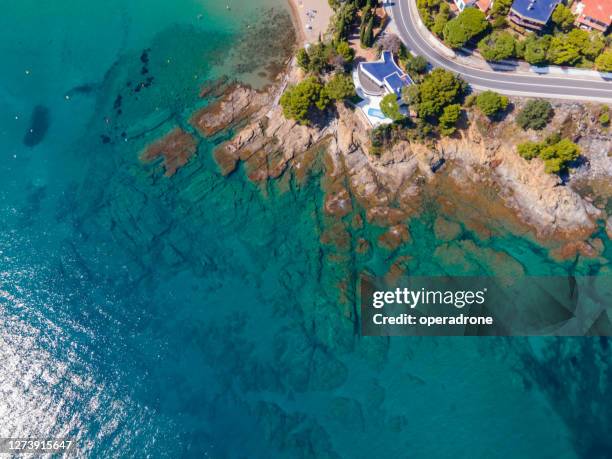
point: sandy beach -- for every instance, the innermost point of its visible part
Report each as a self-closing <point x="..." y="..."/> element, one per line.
<point x="313" y="18"/>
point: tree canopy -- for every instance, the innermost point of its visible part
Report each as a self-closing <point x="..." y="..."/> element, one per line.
<point x="448" y="119"/>
<point x="563" y="17"/>
<point x="534" y="115"/>
<point x="437" y="90"/>
<point x="339" y="87"/>
<point x="604" y="62"/>
<point x="490" y="103"/>
<point x="467" y="25"/>
<point x="556" y="154"/>
<point x="390" y="107"/>
<point x="498" y="46"/>
<point x="298" y="101"/>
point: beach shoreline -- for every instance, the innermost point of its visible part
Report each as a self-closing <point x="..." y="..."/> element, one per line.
<point x="311" y="18"/>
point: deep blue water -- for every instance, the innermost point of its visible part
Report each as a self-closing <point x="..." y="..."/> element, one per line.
<point x="198" y="315"/>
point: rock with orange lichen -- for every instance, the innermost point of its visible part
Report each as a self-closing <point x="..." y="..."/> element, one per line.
<point x="176" y="148"/>
<point x="238" y="103"/>
<point x="573" y="249"/>
<point x="385" y="216"/>
<point x="394" y="237"/>
<point x="336" y="235"/>
<point x="446" y="230"/>
<point x="338" y="204"/>
<point x="363" y="246"/>
<point x="397" y="270"/>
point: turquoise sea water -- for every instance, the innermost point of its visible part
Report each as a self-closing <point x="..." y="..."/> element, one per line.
<point x="199" y="316"/>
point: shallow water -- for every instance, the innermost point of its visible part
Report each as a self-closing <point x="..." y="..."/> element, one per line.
<point x="200" y="315"/>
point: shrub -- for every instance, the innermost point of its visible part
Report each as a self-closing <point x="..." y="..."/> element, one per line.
<point x="556" y="153"/>
<point x="529" y="150"/>
<point x="468" y="24"/>
<point x="604" y="118"/>
<point x="490" y="103"/>
<point x="535" y="115"/>
<point x="557" y="156"/>
<point x="498" y="46"/>
<point x="390" y="107"/>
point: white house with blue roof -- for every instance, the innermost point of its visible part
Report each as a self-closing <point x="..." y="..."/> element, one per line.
<point x="374" y="80"/>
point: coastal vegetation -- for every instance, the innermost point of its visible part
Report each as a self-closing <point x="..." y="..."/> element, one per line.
<point x="470" y="23"/>
<point x="535" y="115"/>
<point x="491" y="103"/>
<point x="437" y="90"/>
<point x="561" y="44"/>
<point x="390" y="107"/>
<point x="556" y="153"/>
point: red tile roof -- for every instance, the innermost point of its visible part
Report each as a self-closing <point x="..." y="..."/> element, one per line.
<point x="600" y="10"/>
<point x="484" y="5"/>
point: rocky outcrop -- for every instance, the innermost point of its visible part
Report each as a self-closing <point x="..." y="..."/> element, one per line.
<point x="239" y="103"/>
<point x="473" y="167"/>
<point x="175" y="148"/>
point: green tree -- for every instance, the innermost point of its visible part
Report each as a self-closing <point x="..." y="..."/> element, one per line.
<point x="344" y="49"/>
<point x="448" y="119"/>
<point x="415" y="65"/>
<point x="563" y="17"/>
<point x="303" y="59"/>
<point x="557" y="156"/>
<point x="339" y="87"/>
<point x="441" y="20"/>
<point x="563" y="52"/>
<point x="529" y="150"/>
<point x="501" y="8"/>
<point x="390" y="107"/>
<point x="299" y="100"/>
<point x="534" y="115"/>
<point x="490" y="103"/>
<point x="498" y="46"/>
<point x="437" y="90"/>
<point x="604" y="62"/>
<point x="590" y="45"/>
<point x="536" y="49"/>
<point x="467" y="25"/>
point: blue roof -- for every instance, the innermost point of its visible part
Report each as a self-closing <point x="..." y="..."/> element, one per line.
<point x="387" y="73"/>
<point x="538" y="10"/>
<point x="383" y="68"/>
<point x="395" y="83"/>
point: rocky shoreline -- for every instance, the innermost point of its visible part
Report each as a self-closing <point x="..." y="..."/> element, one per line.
<point x="479" y="168"/>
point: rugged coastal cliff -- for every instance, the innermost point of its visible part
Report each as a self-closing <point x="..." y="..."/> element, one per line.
<point x="476" y="171"/>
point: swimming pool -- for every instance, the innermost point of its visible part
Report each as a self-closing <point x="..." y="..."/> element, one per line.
<point x="376" y="113"/>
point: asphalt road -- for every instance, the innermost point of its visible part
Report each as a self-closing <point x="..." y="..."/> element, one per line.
<point x="410" y="31"/>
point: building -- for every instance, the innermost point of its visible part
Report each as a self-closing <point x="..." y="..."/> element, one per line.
<point x="383" y="76"/>
<point x="532" y="14"/>
<point x="373" y="81"/>
<point x="593" y="14"/>
<point x="483" y="5"/>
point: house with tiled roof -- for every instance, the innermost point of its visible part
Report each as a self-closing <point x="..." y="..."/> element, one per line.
<point x="593" y="14"/>
<point x="484" y="5"/>
<point x="532" y="14"/>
